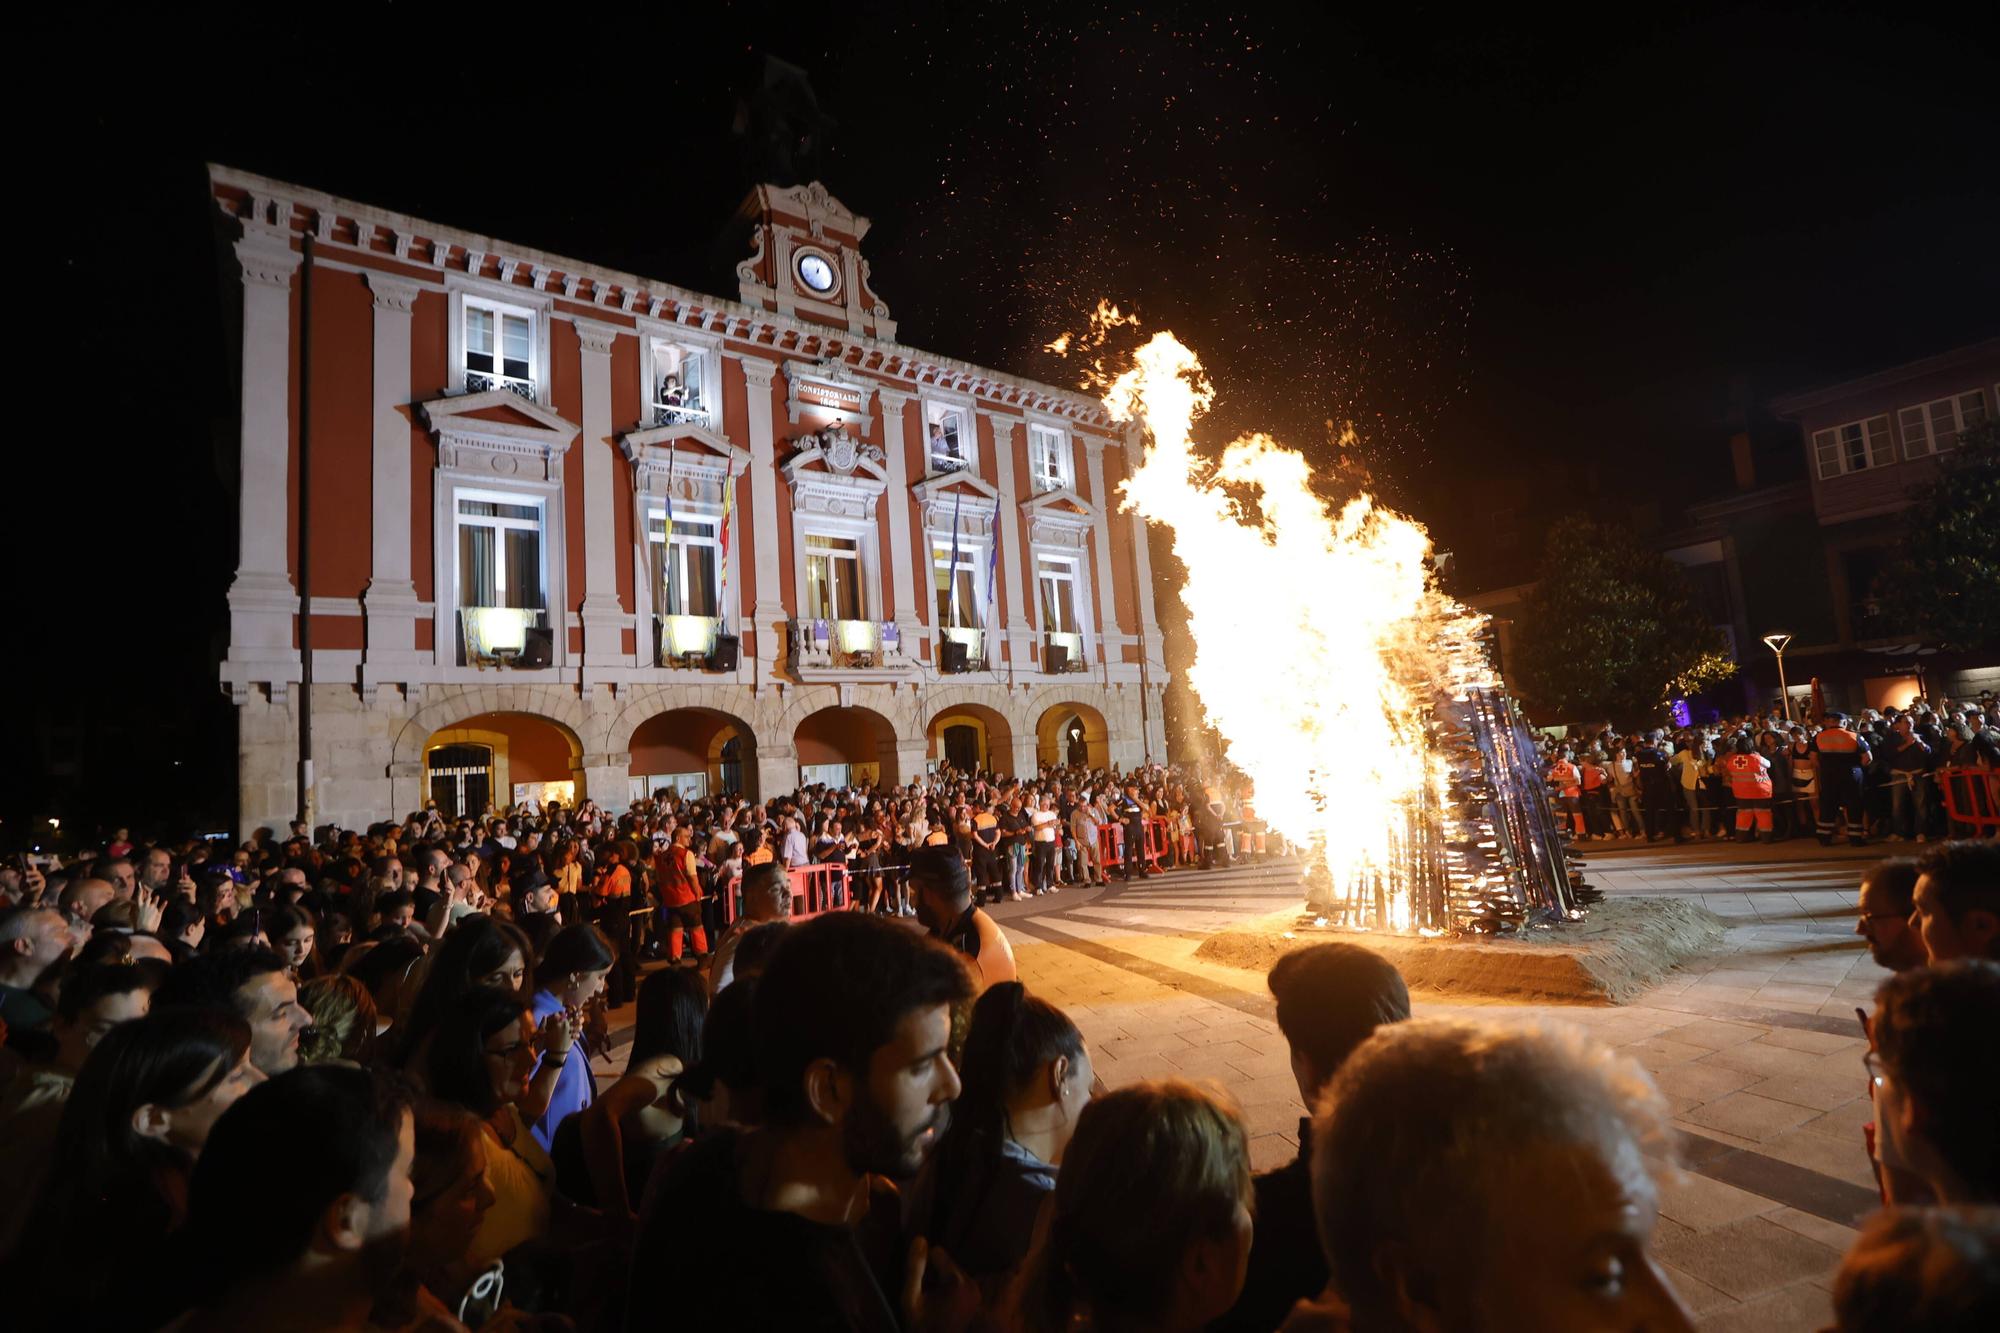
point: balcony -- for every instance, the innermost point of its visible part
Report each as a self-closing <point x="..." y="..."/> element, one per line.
<point x="975" y="647"/>
<point x="1071" y="645"/>
<point x="479" y="382"/>
<point x="685" y="642"/>
<point x="848" y="649"/>
<point x="504" y="636"/>
<point x="682" y="414"/>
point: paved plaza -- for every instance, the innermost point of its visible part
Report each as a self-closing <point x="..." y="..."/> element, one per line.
<point x="1756" y="1047"/>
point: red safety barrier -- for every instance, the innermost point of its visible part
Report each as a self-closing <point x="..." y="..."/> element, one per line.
<point x="1110" y="847"/>
<point x="1972" y="796"/>
<point x="1159" y="837"/>
<point x="819" y="888"/>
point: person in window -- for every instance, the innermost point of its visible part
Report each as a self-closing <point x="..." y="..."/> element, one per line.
<point x="944" y="449"/>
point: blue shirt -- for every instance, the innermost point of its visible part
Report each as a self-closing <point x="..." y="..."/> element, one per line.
<point x="575" y="1088"/>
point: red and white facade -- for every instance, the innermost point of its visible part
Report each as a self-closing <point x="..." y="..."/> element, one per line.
<point x="503" y="442"/>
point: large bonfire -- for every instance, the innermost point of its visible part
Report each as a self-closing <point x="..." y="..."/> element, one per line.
<point x="1343" y="681"/>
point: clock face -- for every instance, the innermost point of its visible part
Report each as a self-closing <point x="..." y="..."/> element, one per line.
<point x="816" y="273"/>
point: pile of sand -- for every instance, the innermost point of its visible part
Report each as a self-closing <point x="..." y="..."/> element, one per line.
<point x="1624" y="946"/>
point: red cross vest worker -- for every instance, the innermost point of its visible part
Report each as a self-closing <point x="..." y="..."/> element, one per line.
<point x="1563" y="776"/>
<point x="1842" y="756"/>
<point x="1749" y="775"/>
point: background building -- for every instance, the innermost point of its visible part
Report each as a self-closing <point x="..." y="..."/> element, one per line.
<point x="1796" y="543"/>
<point x="570" y="532"/>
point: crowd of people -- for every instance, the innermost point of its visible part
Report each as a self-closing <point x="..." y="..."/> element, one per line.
<point x="1879" y="776"/>
<point x="350" y="1080"/>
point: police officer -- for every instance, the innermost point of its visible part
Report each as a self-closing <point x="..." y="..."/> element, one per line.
<point x="1842" y="756"/>
<point x="1658" y="790"/>
<point x="1133" y="816"/>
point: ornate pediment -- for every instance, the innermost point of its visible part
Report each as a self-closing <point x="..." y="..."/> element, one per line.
<point x="690" y="461"/>
<point x="975" y="487"/>
<point x="962" y="498"/>
<point x="1059" y="518"/>
<point x="496" y="432"/>
<point x="833" y="473"/>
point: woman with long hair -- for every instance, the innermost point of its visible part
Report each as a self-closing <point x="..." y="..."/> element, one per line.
<point x="478" y="951"/>
<point x="294" y="934"/>
<point x="1027" y="1078"/>
<point x="605" y="1154"/>
<point x="93" y="1253"/>
<point x="1150" y="1224"/>
<point x="481" y="1059"/>
<point x="343" y="1021"/>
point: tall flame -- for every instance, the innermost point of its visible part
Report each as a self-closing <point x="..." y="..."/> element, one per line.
<point x="1322" y="641"/>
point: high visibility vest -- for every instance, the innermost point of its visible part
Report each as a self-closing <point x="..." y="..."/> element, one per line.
<point x="1841" y="750"/>
<point x="1749" y="776"/>
<point x="1563" y="774"/>
<point x="1593" y="777"/>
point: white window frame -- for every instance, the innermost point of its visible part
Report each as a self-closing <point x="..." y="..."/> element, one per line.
<point x="1051" y="458"/>
<point x="936" y="408"/>
<point x="1073" y="576"/>
<point x="863" y="591"/>
<point x="537" y="307"/>
<point x="678" y="545"/>
<point x="1878" y="447"/>
<point x="446" y="632"/>
<point x="654" y="337"/>
<point x="1920" y="436"/>
<point x="971" y="558"/>
<point x="539" y="526"/>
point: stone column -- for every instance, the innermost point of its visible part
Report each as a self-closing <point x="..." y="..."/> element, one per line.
<point x="606" y="779"/>
<point x="1108" y="633"/>
<point x="897" y="499"/>
<point x="603" y="616"/>
<point x="1022" y="657"/>
<point x="390" y="601"/>
<point x="263" y="600"/>
<point x="1025" y="755"/>
<point x="777" y="768"/>
<point x="769" y="609"/>
<point x="1149" y="624"/>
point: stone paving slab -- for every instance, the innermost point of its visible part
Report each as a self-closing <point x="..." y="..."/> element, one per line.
<point x="1755" y="1045"/>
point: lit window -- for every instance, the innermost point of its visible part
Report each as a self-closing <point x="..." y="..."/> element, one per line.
<point x="833" y="578"/>
<point x="948" y="431"/>
<point x="1048" y="458"/>
<point x="1935" y="427"/>
<point x="1854" y="447"/>
<point x="678" y="385"/>
<point x="686" y="565"/>
<point x="500" y="552"/>
<point x="499" y="348"/>
<point x="957" y="586"/>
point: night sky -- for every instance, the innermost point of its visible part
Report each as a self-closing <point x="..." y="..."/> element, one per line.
<point x="1492" y="246"/>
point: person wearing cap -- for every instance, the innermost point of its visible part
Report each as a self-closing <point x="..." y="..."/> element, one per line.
<point x="945" y="907"/>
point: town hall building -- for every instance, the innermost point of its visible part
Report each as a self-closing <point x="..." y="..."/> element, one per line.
<point x="514" y="525"/>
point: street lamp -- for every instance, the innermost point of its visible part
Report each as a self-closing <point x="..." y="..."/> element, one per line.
<point x="1776" y="643"/>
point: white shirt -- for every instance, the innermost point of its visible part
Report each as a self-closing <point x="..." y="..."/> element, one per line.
<point x="1044" y="822"/>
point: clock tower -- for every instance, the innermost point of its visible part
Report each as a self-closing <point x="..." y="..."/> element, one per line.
<point x="805" y="260"/>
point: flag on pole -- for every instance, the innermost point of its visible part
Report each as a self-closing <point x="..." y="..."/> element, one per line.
<point x="992" y="566"/>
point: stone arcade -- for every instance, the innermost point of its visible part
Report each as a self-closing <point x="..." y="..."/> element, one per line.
<point x="579" y="533"/>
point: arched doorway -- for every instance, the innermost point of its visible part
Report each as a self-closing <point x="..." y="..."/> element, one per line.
<point x="843" y="747"/>
<point x="502" y="759"/>
<point x="972" y="738"/>
<point x="1071" y="733"/>
<point x="693" y="751"/>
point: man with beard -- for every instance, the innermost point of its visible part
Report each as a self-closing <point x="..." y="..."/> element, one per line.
<point x="852" y="1018"/>
<point x="314" y="1250"/>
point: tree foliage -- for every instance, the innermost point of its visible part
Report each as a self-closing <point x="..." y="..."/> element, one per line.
<point x="1944" y="580"/>
<point x="1612" y="629"/>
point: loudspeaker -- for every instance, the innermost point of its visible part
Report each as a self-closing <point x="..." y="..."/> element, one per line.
<point x="539" y="650"/>
<point x="722" y="657"/>
<point x="1055" y="659"/>
<point x="951" y="656"/>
